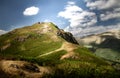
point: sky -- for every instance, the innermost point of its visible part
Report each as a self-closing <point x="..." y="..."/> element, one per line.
<point x="80" y="17"/>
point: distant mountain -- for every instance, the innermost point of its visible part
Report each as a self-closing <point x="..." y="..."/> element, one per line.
<point x="99" y="38"/>
<point x="105" y="45"/>
<point x="45" y="51"/>
<point x="2" y="32"/>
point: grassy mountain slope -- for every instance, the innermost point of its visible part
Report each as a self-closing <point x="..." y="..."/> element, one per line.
<point x="30" y="41"/>
<point x="43" y="50"/>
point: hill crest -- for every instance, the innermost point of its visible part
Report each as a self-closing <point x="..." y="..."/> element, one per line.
<point x="45" y="51"/>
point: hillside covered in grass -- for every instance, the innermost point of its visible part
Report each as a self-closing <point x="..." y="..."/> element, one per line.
<point x="45" y="51"/>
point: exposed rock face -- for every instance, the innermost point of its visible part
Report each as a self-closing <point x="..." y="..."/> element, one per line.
<point x="22" y="38"/>
<point x="67" y="36"/>
<point x="46" y="28"/>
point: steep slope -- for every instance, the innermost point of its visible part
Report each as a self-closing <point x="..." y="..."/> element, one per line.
<point x="105" y="45"/>
<point x="45" y="51"/>
<point x="33" y="40"/>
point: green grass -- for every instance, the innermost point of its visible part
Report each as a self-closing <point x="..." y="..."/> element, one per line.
<point x="47" y="60"/>
<point x="84" y="55"/>
<point x="108" y="54"/>
<point x="52" y="59"/>
<point x="32" y="47"/>
<point x="81" y="68"/>
<point x="86" y="65"/>
<point x="36" y="44"/>
<point x="77" y="69"/>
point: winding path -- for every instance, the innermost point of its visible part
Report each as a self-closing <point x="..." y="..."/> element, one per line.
<point x="69" y="47"/>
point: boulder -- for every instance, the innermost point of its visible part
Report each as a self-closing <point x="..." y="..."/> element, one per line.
<point x="67" y="36"/>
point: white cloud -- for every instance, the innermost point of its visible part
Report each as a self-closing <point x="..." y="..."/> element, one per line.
<point x="117" y="9"/>
<point x="71" y="3"/>
<point x="31" y="11"/>
<point x="93" y="30"/>
<point x="103" y="4"/>
<point x="83" y="22"/>
<point x="110" y="14"/>
<point x="47" y="20"/>
<point x="77" y="16"/>
<point x="2" y="32"/>
<point x="110" y="8"/>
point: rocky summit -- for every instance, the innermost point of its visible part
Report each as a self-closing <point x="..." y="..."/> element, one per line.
<point x="45" y="51"/>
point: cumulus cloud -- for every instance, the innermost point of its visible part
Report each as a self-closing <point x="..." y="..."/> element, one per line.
<point x="84" y="22"/>
<point x="102" y="4"/>
<point x="71" y="3"/>
<point x="31" y="11"/>
<point x="2" y="32"/>
<point x="110" y="8"/>
<point x="47" y="20"/>
<point x="77" y="16"/>
<point x="92" y="30"/>
<point x="110" y="14"/>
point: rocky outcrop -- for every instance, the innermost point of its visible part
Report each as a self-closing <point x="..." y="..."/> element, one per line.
<point x="67" y="36"/>
<point x="22" y="38"/>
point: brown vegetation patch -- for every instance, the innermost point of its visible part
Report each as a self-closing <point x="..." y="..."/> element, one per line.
<point x="23" y="69"/>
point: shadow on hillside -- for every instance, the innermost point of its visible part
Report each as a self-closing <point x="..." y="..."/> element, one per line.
<point x="110" y="42"/>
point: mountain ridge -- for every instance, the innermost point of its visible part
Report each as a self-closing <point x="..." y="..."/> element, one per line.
<point x="105" y="45"/>
<point x="45" y="51"/>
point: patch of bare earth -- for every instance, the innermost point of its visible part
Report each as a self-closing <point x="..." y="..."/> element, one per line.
<point x="55" y="38"/>
<point x="23" y="69"/>
<point x="69" y="47"/>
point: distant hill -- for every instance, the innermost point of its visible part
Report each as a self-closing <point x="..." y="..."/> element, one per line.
<point x="105" y="45"/>
<point x="45" y="51"/>
<point x="2" y="32"/>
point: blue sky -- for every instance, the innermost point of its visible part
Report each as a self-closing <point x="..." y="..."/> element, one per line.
<point x="81" y="17"/>
<point x="11" y="13"/>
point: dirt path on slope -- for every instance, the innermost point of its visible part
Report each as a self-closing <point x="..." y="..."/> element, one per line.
<point x="50" y="52"/>
<point x="69" y="47"/>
